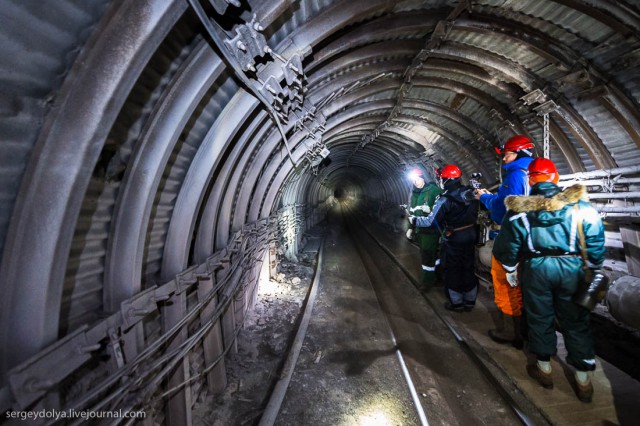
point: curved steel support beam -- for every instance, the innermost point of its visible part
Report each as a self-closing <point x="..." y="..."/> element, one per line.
<point x="300" y="42"/>
<point x="123" y="266"/>
<point x="386" y="27"/>
<point x="434" y="82"/>
<point x="363" y="108"/>
<point x="566" y="147"/>
<point x="61" y="167"/>
<point x="594" y="146"/>
<point x="589" y="142"/>
<point x="219" y="209"/>
<point x="194" y="188"/>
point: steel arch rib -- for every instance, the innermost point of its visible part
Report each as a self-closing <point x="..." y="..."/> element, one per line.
<point x="193" y="191"/>
<point x="60" y="169"/>
<point x="123" y="270"/>
<point x="213" y="233"/>
<point x="182" y="224"/>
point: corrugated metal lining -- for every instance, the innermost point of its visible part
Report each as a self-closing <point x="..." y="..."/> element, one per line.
<point x="518" y="52"/>
<point x="456" y="156"/>
<point x="295" y="17"/>
<point x="473" y="112"/>
<point x="574" y="21"/>
<point x="83" y="294"/>
<point x="379" y="96"/>
<point x="618" y="143"/>
<point x="582" y="152"/>
<point x="628" y="75"/>
<point x="53" y="37"/>
<point x="213" y="103"/>
<point x="537" y="21"/>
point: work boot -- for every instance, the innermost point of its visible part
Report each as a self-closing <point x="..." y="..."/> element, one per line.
<point x="503" y="333"/>
<point x="584" y="392"/>
<point x="501" y="336"/>
<point x="424" y="288"/>
<point x="518" y="339"/>
<point x="455" y="307"/>
<point x="544" y="379"/>
<point x="509" y="333"/>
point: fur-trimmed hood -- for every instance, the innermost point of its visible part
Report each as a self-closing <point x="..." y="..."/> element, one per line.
<point x="571" y="195"/>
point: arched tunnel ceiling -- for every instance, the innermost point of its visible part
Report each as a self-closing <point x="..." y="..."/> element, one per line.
<point x="133" y="148"/>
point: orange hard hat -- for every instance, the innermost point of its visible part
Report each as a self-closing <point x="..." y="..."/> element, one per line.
<point x="542" y="170"/>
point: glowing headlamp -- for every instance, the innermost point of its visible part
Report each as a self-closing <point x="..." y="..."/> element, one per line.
<point x="415" y="174"/>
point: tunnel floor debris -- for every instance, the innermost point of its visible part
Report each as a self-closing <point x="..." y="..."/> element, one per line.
<point x="263" y="344"/>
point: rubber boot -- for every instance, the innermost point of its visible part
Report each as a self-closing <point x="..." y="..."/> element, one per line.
<point x="518" y="338"/>
<point x="504" y="332"/>
<point x="544" y="379"/>
<point x="428" y="281"/>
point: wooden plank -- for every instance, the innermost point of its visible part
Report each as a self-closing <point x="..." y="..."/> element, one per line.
<point x="212" y="342"/>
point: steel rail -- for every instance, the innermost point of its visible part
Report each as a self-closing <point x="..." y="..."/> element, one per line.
<point x="511" y="402"/>
<point x="403" y="366"/>
<point x="270" y="412"/>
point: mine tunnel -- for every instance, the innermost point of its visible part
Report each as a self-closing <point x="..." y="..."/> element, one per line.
<point x="164" y="161"/>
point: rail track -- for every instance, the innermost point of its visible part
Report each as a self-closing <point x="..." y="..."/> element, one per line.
<point x="445" y="378"/>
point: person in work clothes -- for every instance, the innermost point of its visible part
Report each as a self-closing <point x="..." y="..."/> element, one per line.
<point x="539" y="246"/>
<point x="517" y="155"/>
<point x="455" y="212"/>
<point x="423" y="196"/>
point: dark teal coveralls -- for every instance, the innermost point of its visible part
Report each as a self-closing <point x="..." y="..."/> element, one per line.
<point x="540" y="234"/>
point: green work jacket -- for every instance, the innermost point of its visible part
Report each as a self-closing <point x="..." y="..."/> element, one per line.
<point x="427" y="195"/>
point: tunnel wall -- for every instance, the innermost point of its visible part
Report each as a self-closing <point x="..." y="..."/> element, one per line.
<point x="136" y="147"/>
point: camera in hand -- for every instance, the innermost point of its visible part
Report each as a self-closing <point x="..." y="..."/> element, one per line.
<point x="474" y="180"/>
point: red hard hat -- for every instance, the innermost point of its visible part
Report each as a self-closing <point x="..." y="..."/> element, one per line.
<point x="449" y="171"/>
<point x="417" y="172"/>
<point x="516" y="143"/>
<point x="542" y="170"/>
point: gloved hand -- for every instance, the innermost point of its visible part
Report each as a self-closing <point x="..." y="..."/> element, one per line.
<point x="412" y="219"/>
<point x="425" y="209"/>
<point x="410" y="234"/>
<point x="512" y="278"/>
<point x="479" y="192"/>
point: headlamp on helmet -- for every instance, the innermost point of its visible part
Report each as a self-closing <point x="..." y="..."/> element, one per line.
<point x="415" y="174"/>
